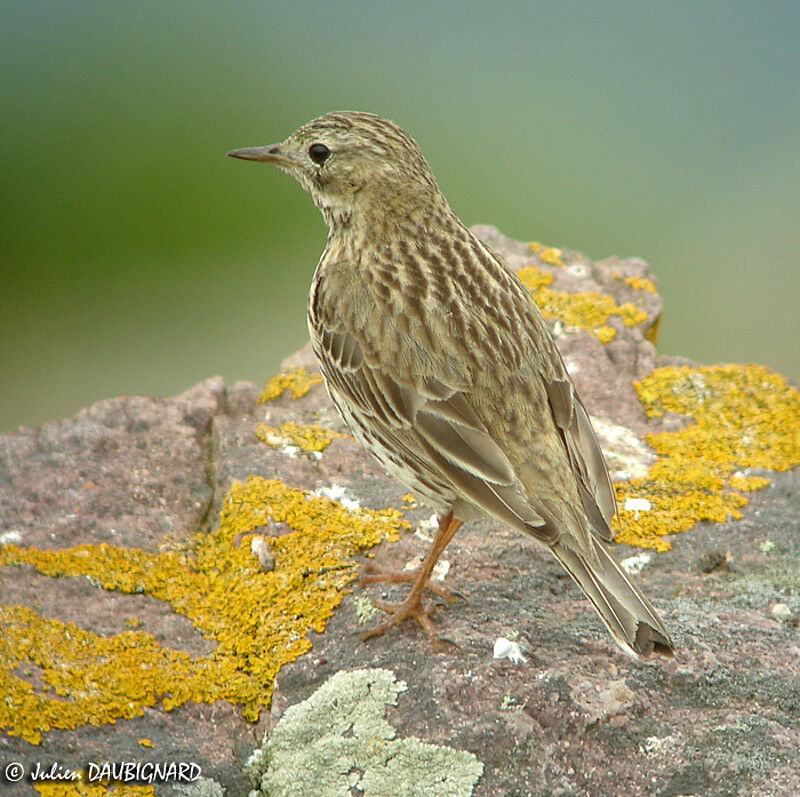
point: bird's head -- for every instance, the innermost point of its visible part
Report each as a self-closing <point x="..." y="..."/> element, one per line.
<point x="353" y="163"/>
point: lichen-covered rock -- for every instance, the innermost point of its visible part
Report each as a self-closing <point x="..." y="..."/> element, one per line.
<point x="338" y="740"/>
<point x="178" y="578"/>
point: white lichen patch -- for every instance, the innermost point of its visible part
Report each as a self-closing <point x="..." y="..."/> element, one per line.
<point x="507" y="649"/>
<point x="626" y="455"/>
<point x="283" y="444"/>
<point x="338" y="741"/>
<point x="426" y="529"/>
<point x="633" y="565"/>
<point x="579" y="270"/>
<point x="337" y="493"/>
<point x="262" y="550"/>
<point x="10" y="536"/>
<point x="657" y="746"/>
<point x="781" y="612"/>
<point x="637" y="505"/>
<point x="439" y="572"/>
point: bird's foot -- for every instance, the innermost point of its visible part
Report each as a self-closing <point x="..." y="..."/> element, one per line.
<point x="421" y="580"/>
<point x="411" y="608"/>
<point x="374" y="575"/>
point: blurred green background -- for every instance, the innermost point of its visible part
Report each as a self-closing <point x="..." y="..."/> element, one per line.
<point x="137" y="258"/>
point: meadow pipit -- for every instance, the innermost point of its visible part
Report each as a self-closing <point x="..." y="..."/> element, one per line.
<point x="440" y="363"/>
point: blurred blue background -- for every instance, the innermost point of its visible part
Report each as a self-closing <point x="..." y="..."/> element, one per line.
<point x="137" y="258"/>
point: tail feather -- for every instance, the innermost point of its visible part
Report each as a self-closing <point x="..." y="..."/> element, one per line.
<point x="628" y="615"/>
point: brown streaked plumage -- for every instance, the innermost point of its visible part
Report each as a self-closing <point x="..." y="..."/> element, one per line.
<point x="442" y="366"/>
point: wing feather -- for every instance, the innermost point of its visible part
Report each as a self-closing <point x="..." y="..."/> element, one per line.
<point x="585" y="456"/>
<point x="432" y="428"/>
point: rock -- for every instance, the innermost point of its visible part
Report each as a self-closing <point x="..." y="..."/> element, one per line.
<point x="163" y="559"/>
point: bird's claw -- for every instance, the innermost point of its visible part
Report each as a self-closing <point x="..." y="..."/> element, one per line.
<point x="410" y="609"/>
<point x="374" y="575"/>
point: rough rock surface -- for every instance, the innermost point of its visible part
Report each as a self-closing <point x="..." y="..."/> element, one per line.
<point x="575" y="716"/>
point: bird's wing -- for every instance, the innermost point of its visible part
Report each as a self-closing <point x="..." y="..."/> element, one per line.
<point x="430" y="425"/>
<point x="585" y="457"/>
<point x="571" y="419"/>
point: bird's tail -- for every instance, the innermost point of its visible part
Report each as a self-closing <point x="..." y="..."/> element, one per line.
<point x="628" y="615"/>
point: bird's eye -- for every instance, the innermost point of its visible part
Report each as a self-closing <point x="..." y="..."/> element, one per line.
<point x="318" y="153"/>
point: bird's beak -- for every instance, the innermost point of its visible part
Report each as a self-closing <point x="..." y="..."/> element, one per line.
<point x="269" y="154"/>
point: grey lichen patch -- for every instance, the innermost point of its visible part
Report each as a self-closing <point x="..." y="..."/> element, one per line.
<point x="338" y="740"/>
<point x="761" y="587"/>
<point x="365" y="609"/>
<point x="726" y="759"/>
<point x="203" y="787"/>
<point x="413" y="767"/>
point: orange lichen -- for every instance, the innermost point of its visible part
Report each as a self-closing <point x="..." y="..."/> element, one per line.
<point x="534" y="279"/>
<point x="747" y="484"/>
<point x="744" y="416"/>
<point x="587" y="310"/>
<point x="297" y="380"/>
<point x="641" y="284"/>
<point x="313" y="438"/>
<point x="547" y="254"/>
<point x="652" y="333"/>
<point x="637" y="283"/>
<point x="552" y="255"/>
<point x="82" y="788"/>
<point x="259" y="620"/>
<point x="605" y="334"/>
<point x="631" y="315"/>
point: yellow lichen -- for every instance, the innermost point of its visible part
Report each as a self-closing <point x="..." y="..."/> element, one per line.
<point x="81" y="788"/>
<point x="534" y="278"/>
<point x="145" y="742"/>
<point x="743" y="416"/>
<point x="748" y="483"/>
<point x="652" y="333"/>
<point x="585" y="310"/>
<point x="259" y="620"/>
<point x="641" y="284"/>
<point x="297" y="380"/>
<point x="605" y="334"/>
<point x="552" y="255"/>
<point x="309" y="438"/>
<point x="547" y="254"/>
<point x="631" y="314"/>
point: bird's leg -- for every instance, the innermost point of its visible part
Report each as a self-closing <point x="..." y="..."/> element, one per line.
<point x="412" y="606"/>
<point x="374" y="575"/>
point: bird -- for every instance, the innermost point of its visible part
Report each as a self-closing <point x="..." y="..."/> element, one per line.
<point x="442" y="366"/>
